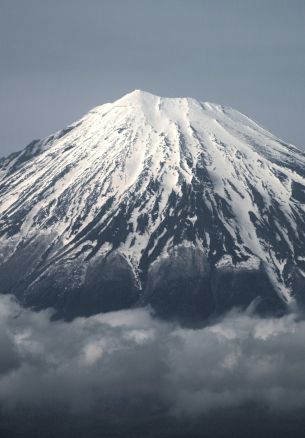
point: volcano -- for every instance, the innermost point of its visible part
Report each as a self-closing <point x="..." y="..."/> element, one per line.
<point x="189" y="207"/>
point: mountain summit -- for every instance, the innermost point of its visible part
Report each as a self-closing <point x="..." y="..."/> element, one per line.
<point x="188" y="206"/>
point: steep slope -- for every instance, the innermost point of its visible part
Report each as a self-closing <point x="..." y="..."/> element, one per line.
<point x="191" y="207"/>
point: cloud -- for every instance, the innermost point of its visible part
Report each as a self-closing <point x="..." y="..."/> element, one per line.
<point x="130" y="364"/>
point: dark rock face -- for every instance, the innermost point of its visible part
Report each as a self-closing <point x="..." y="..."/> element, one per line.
<point x="18" y="268"/>
<point x="73" y="290"/>
<point x="178" y="285"/>
<point x="181" y="285"/>
<point x="184" y="286"/>
<point x="243" y="288"/>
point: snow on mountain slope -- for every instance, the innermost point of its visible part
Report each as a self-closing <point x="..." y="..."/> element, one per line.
<point x="147" y="182"/>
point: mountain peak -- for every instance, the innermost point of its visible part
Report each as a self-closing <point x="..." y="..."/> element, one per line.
<point x="141" y="96"/>
<point x="137" y="93"/>
<point x="137" y="96"/>
<point x="145" y="186"/>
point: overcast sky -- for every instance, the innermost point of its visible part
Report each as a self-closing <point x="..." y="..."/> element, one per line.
<point x="60" y="58"/>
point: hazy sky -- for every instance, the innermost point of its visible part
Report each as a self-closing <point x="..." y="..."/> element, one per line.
<point x="59" y="58"/>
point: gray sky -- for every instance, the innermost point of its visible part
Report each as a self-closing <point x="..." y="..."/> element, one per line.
<point x="60" y="58"/>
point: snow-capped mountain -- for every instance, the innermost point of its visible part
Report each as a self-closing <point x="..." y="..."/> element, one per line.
<point x="189" y="206"/>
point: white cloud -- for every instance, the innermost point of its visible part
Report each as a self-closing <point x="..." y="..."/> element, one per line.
<point x="131" y="359"/>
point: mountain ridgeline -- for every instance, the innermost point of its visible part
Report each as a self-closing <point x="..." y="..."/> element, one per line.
<point x="189" y="207"/>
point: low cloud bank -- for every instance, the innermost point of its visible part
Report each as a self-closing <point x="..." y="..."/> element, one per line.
<point x="127" y="363"/>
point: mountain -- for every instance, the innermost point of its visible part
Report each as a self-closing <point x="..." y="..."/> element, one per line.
<point x="187" y="206"/>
